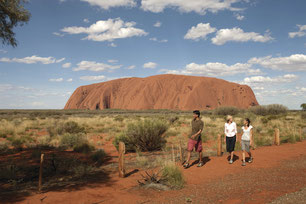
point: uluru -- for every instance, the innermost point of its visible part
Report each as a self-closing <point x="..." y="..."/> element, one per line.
<point x="176" y="92"/>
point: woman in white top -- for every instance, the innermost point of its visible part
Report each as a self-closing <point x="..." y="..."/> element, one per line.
<point x="230" y="131"/>
<point x="247" y="140"/>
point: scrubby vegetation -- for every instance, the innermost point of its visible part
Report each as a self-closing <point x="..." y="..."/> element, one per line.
<point x="73" y="140"/>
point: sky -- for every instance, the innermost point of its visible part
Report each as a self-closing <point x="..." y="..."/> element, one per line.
<point x="70" y="43"/>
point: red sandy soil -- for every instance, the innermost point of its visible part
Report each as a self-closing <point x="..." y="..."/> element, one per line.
<point x="162" y="92"/>
<point x="276" y="170"/>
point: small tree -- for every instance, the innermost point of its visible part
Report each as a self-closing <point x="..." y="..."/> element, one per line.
<point x="12" y="13"/>
<point x="303" y="106"/>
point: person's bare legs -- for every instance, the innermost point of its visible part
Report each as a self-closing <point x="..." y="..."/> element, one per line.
<point x="200" y="157"/>
<point x="232" y="155"/>
<point x="188" y="156"/>
<point x="243" y="156"/>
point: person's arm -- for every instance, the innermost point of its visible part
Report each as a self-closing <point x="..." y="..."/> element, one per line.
<point x="235" y="128"/>
<point x="199" y="132"/>
<point x="251" y="137"/>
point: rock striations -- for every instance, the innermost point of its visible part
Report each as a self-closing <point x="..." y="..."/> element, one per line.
<point x="162" y="92"/>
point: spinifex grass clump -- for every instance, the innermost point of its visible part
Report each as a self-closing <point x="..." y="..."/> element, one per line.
<point x="172" y="175"/>
<point x="147" y="135"/>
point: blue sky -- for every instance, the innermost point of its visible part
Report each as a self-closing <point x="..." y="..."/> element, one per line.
<point x="69" y="43"/>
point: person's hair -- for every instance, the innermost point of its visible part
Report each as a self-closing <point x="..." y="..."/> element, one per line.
<point x="249" y="122"/>
<point x="228" y="118"/>
<point x="197" y="112"/>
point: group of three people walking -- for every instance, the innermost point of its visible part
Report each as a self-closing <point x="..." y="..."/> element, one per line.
<point x="230" y="131"/>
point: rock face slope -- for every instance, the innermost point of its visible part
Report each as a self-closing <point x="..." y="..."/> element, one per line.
<point x="162" y="92"/>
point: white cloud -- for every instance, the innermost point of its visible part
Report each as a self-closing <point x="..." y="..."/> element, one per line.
<point x="3" y="51"/>
<point x="106" y="4"/>
<point x="238" y="35"/>
<point x="69" y="80"/>
<point x="66" y="65"/>
<point x="58" y="34"/>
<point x="157" y="24"/>
<point x="93" y="78"/>
<point x="6" y="87"/>
<point x="108" y="30"/>
<point x="33" y="60"/>
<point x="198" y="6"/>
<point x="263" y="80"/>
<point x="199" y="32"/>
<point x="296" y="62"/>
<point x="95" y="66"/>
<point x="85" y="20"/>
<point x="56" y="80"/>
<point x="150" y="65"/>
<point x="37" y="104"/>
<point x="300" y="33"/>
<point x="112" y="45"/>
<point x="131" y="67"/>
<point x="112" y="61"/>
<point x="216" y="69"/>
<point x="157" y="40"/>
<point x="239" y="17"/>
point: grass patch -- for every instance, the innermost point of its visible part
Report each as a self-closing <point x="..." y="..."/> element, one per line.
<point x="172" y="175"/>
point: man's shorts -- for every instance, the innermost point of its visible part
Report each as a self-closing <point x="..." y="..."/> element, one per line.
<point x="245" y="145"/>
<point x="194" y="144"/>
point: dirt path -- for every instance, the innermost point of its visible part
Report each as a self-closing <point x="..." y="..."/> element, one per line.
<point x="275" y="172"/>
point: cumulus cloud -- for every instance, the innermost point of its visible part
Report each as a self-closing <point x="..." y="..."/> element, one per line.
<point x="215" y="69"/>
<point x="150" y="65"/>
<point x="238" y="35"/>
<point x="33" y="60"/>
<point x="198" y="6"/>
<point x="296" y="62"/>
<point x="263" y="80"/>
<point x="112" y="61"/>
<point x="157" y="24"/>
<point x="239" y="17"/>
<point x="300" y="33"/>
<point x="93" y="78"/>
<point x="58" y="34"/>
<point x="106" y="4"/>
<point x="3" y="51"/>
<point x="157" y="40"/>
<point x="95" y="66"/>
<point x="66" y="65"/>
<point x="6" y="87"/>
<point x="69" y="80"/>
<point x="199" y="32"/>
<point x="108" y="30"/>
<point x="56" y="80"/>
<point x="131" y="67"/>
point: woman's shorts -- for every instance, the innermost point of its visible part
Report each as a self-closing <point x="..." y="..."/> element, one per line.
<point x="230" y="143"/>
<point x="245" y="145"/>
<point x="194" y="144"/>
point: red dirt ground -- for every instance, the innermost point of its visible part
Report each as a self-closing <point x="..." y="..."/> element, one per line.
<point x="276" y="170"/>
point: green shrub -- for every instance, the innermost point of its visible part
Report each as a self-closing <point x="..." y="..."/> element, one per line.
<point x="173" y="119"/>
<point x="119" y="119"/>
<point x="99" y="156"/>
<point x="226" y="110"/>
<point x="273" y="109"/>
<point x="84" y="148"/>
<point x="67" y="127"/>
<point x="71" y="140"/>
<point x="147" y="135"/>
<point x="18" y="143"/>
<point x="172" y="175"/>
<point x="303" y="115"/>
<point x="292" y="138"/>
<point x="263" y="141"/>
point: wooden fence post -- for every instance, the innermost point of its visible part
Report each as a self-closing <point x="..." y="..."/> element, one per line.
<point x="173" y="157"/>
<point x="121" y="160"/>
<point x="219" y="151"/>
<point x="181" y="153"/>
<point x="276" y="139"/>
<point x="40" y="171"/>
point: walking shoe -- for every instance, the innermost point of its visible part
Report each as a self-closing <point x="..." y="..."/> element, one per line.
<point x="200" y="164"/>
<point x="243" y="163"/>
<point x="230" y="161"/>
<point x="250" y="160"/>
<point x="186" y="165"/>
